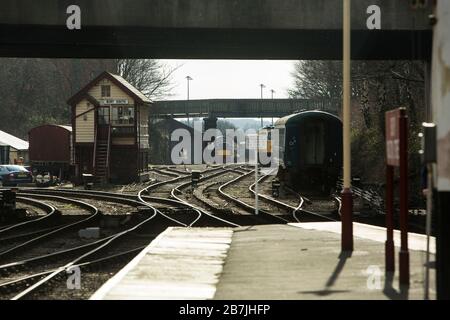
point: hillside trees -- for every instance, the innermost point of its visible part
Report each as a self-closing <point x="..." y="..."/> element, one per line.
<point x="35" y="91"/>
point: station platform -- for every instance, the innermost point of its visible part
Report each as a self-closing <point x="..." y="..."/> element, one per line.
<point x="181" y="263"/>
<point x="274" y="262"/>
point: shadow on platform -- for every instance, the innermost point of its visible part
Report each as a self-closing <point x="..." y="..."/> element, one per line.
<point x="391" y="292"/>
<point x="343" y="256"/>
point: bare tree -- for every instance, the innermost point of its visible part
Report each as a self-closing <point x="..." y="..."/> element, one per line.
<point x="317" y="79"/>
<point x="151" y="77"/>
<point x="376" y="85"/>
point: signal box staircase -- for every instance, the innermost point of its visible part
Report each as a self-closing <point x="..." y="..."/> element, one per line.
<point x="102" y="149"/>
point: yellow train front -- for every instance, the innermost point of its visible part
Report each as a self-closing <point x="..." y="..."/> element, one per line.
<point x="264" y="136"/>
<point x="265" y="142"/>
<point x="222" y="151"/>
<point x="226" y="152"/>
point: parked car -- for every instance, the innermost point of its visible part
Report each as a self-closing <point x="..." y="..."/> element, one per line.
<point x="12" y="175"/>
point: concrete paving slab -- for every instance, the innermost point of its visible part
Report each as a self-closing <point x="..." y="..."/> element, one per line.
<point x="296" y="261"/>
<point x="181" y="263"/>
<point x="416" y="241"/>
<point x="282" y="262"/>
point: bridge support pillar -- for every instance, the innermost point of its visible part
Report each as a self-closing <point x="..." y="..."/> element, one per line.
<point x="209" y="123"/>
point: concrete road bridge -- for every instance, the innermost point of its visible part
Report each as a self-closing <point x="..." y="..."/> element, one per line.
<point x="219" y="29"/>
<point x="240" y="108"/>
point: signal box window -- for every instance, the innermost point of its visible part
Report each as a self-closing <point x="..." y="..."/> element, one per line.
<point x="122" y="115"/>
<point x="106" y="91"/>
<point x="103" y="115"/>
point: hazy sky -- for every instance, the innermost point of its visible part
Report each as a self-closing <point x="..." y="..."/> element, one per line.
<point x="231" y="78"/>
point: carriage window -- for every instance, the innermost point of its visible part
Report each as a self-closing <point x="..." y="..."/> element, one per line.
<point x="122" y="115"/>
<point x="281" y="137"/>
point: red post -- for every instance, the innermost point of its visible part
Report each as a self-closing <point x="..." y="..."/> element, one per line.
<point x="389" y="244"/>
<point x="404" y="253"/>
<point x="347" y="220"/>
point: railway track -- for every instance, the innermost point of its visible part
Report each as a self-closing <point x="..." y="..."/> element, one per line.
<point x="205" y="216"/>
<point x="164" y="188"/>
<point x="167" y="205"/>
<point x="49" y="210"/>
<point x="177" y="171"/>
<point x="167" y="172"/>
<point x="200" y="215"/>
<point x="208" y="195"/>
<point x="79" y="254"/>
<point x="249" y="208"/>
<point x="12" y="287"/>
<point x="94" y="249"/>
<point x="30" y="228"/>
<point x="122" y="198"/>
<point x="94" y="214"/>
<point x="210" y="211"/>
<point x="299" y="213"/>
<point x="53" y="232"/>
<point x="42" y="272"/>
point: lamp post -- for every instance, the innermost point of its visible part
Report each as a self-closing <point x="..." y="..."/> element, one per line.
<point x="272" y="91"/>
<point x="262" y="87"/>
<point x="188" y="78"/>
<point x="347" y="195"/>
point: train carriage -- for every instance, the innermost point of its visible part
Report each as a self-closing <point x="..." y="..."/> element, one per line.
<point x="310" y="150"/>
<point x="50" y="151"/>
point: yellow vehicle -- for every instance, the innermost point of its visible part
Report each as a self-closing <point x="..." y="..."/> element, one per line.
<point x="265" y="140"/>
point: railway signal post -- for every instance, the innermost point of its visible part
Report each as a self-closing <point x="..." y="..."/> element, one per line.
<point x="389" y="244"/>
<point x="397" y="156"/>
<point x="256" y="176"/>
<point x="392" y="160"/>
<point x="253" y="143"/>
<point x="404" y="253"/>
<point x="347" y="195"/>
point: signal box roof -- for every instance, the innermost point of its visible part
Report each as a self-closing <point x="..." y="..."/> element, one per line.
<point x="117" y="80"/>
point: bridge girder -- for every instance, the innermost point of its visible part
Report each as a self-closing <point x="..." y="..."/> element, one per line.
<point x="240" y="108"/>
<point x="244" y="29"/>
